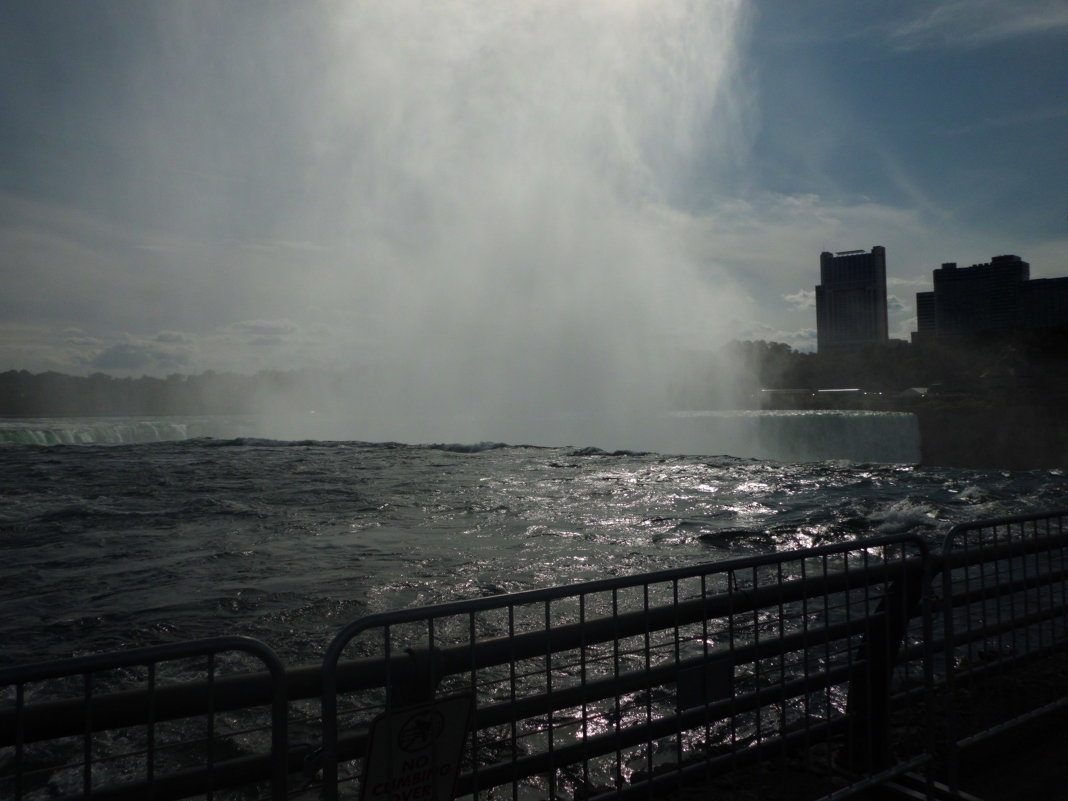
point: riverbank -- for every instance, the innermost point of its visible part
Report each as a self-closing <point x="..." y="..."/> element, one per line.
<point x="975" y="430"/>
<point x="1013" y="437"/>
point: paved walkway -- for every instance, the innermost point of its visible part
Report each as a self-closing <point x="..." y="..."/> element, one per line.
<point x="1029" y="763"/>
<point x="1026" y="765"/>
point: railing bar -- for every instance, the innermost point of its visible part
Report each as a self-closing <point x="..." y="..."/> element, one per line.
<point x="783" y="712"/>
<point x="87" y="750"/>
<point x="648" y="696"/>
<point x="615" y="674"/>
<point x="582" y="684"/>
<point x="732" y="581"/>
<point x="472" y="686"/>
<point x="150" y="732"/>
<point x="211" y="726"/>
<point x="805" y="665"/>
<point x="757" y="664"/>
<point x="876" y="647"/>
<point x="20" y="704"/>
<point x="849" y="658"/>
<point x="514" y="722"/>
<point x="1064" y="585"/>
<point x="926" y="644"/>
<point x="549" y="691"/>
<point x="999" y="606"/>
<point x="878" y="660"/>
<point x="828" y="693"/>
<point x="678" y="658"/>
<point x="1028" y="594"/>
<point x="706" y="652"/>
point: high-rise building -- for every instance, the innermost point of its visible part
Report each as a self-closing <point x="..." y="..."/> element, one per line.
<point x="993" y="298"/>
<point x="851" y="299"/>
<point x="980" y="298"/>
<point x="1045" y="303"/>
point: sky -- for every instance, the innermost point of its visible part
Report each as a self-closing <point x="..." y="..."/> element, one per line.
<point x="512" y="194"/>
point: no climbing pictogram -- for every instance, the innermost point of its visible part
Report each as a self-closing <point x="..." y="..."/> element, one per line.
<point x="414" y="753"/>
<point x="420" y="730"/>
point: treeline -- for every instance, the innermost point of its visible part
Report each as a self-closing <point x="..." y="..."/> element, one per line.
<point x="1029" y="364"/>
<point x="1026" y="369"/>
<point x="23" y="394"/>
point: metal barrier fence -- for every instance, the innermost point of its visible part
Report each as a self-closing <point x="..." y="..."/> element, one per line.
<point x="1005" y="614"/>
<point x="72" y="732"/>
<point x="811" y="674"/>
<point x="635" y="685"/>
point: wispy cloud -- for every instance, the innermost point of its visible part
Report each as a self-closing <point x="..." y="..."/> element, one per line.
<point x="266" y="327"/>
<point x="1039" y="116"/>
<point x="140" y="356"/>
<point x="977" y="23"/>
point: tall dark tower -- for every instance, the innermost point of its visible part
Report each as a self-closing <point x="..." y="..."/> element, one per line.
<point x="851" y="299"/>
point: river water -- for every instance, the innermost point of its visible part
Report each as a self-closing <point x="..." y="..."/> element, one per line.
<point x="107" y="546"/>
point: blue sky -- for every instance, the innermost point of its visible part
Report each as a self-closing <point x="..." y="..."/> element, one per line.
<point x="464" y="185"/>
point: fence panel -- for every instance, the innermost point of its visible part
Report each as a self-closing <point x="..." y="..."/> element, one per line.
<point x="637" y="685"/>
<point x="1005" y="620"/>
<point x="100" y="726"/>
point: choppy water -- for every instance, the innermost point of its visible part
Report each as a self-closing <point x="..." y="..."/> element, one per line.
<point x="107" y="546"/>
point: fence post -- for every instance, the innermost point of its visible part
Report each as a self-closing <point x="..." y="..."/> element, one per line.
<point x="868" y="698"/>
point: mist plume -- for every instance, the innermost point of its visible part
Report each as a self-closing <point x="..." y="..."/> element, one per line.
<point x="481" y="211"/>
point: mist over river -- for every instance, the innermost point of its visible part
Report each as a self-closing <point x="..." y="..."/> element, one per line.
<point x="113" y="546"/>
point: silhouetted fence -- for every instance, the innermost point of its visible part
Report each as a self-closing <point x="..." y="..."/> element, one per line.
<point x="821" y="671"/>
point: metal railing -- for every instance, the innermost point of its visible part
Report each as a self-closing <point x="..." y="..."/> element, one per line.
<point x="634" y="685"/>
<point x="1005" y="623"/>
<point x="815" y="673"/>
<point x="136" y="742"/>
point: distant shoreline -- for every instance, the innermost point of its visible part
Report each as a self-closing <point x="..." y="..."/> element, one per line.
<point x="984" y="430"/>
<point x="1012" y="437"/>
<point x="961" y="433"/>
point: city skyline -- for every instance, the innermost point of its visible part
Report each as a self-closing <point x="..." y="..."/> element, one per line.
<point x="996" y="297"/>
<point x="262" y="186"/>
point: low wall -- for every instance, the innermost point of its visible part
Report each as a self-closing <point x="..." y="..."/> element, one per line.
<point x="1009" y="437"/>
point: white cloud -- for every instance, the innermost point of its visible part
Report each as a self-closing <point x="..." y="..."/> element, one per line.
<point x="803" y="339"/>
<point x="904" y="328"/>
<point x="917" y="283"/>
<point x="802" y="299"/>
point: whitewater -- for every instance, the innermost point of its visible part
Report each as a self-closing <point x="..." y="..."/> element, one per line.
<point x="108" y="546"/>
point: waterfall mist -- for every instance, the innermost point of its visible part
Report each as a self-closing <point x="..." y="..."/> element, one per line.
<point x="483" y="214"/>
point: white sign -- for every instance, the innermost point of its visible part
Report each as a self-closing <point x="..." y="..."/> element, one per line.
<point x="414" y="752"/>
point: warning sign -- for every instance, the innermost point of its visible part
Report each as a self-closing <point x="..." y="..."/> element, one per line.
<point x="414" y="753"/>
